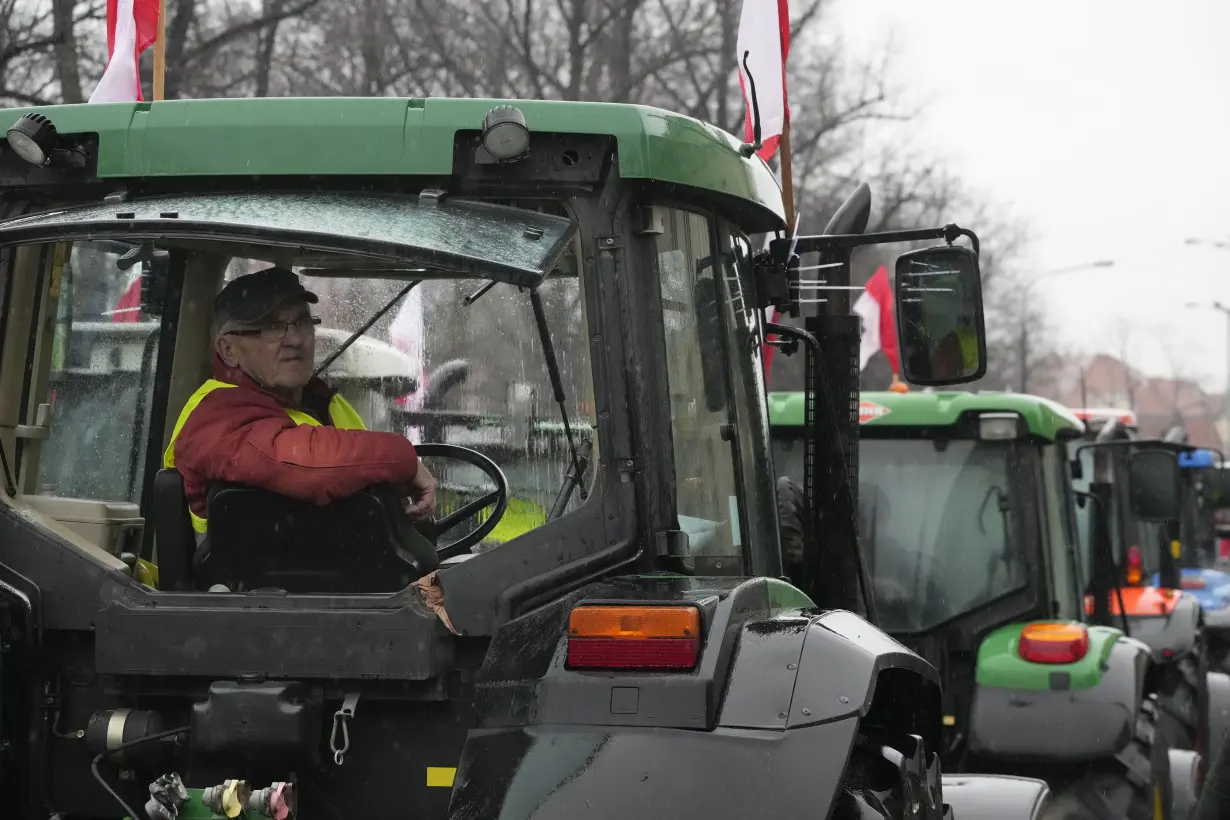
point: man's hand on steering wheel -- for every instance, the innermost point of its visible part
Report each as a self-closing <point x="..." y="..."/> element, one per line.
<point x="421" y="505"/>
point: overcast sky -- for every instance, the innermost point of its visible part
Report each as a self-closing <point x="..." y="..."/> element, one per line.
<point x="1105" y="125"/>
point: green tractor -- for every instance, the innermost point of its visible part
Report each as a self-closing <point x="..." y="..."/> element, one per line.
<point x="970" y="531"/>
<point x="627" y="647"/>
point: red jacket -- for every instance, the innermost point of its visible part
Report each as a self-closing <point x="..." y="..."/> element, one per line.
<point x="243" y="434"/>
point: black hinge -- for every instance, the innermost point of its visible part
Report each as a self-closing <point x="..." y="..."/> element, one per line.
<point x="431" y="196"/>
<point x="671" y="543"/>
<point x="610" y="243"/>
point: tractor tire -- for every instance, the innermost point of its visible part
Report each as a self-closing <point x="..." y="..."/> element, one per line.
<point x="874" y="785"/>
<point x="1133" y="785"/>
<point x="1185" y="703"/>
<point x="790" y="522"/>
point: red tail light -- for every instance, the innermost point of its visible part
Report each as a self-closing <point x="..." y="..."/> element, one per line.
<point x="1053" y="643"/>
<point x="1223" y="548"/>
<point x="1135" y="571"/>
<point x="634" y="637"/>
<point x="1192" y="583"/>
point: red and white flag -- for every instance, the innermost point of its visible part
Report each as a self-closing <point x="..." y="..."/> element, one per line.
<point x="128" y="308"/>
<point x="875" y="307"/>
<point x="764" y="36"/>
<point x="132" y="27"/>
<point x="408" y="334"/>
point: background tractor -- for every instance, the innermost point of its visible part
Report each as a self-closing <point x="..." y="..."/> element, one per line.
<point x="970" y="530"/>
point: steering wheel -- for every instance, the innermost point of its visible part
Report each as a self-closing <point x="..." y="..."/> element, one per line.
<point x="497" y="498"/>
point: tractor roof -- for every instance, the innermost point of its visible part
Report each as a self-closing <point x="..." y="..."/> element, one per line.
<point x="291" y="136"/>
<point x="1045" y="418"/>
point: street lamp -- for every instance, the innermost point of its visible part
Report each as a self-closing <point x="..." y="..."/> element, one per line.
<point x="1223" y="245"/>
<point x="1025" y="291"/>
<point x="1225" y="310"/>
<point x="1208" y="243"/>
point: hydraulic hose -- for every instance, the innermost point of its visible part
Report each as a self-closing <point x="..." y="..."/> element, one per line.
<point x="128" y="810"/>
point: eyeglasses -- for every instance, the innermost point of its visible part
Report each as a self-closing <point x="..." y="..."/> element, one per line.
<point x="276" y="331"/>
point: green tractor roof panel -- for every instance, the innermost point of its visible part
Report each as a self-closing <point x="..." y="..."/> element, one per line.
<point x="1043" y="417"/>
<point x="391" y="136"/>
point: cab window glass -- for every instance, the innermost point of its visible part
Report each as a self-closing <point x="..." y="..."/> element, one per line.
<point x="706" y="499"/>
<point x="439" y="370"/>
<point x="939" y="527"/>
<point x="101" y="378"/>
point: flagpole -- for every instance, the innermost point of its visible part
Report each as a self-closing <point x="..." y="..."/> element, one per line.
<point x="160" y="51"/>
<point x="787" y="177"/>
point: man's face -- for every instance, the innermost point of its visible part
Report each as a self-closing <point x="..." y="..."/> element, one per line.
<point x="274" y="359"/>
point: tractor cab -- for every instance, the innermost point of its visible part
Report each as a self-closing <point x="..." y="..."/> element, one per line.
<point x="562" y="306"/>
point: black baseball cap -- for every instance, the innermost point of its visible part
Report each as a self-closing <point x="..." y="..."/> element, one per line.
<point x="252" y="297"/>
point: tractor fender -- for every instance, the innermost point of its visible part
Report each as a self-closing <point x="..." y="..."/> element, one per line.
<point x="1174" y="633"/>
<point x="801" y="688"/>
<point x="1004" y="797"/>
<point x="1219" y="710"/>
<point x="799" y="671"/>
<point x="564" y="772"/>
<point x="1061" y="725"/>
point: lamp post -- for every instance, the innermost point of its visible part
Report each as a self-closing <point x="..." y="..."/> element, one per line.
<point x="1225" y="310"/>
<point x="1023" y="346"/>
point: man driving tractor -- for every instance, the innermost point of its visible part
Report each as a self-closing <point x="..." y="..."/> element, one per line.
<point x="265" y="421"/>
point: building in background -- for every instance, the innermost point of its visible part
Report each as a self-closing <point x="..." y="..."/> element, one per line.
<point x="1159" y="403"/>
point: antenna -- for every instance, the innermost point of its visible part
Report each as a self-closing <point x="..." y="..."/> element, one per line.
<point x="749" y="148"/>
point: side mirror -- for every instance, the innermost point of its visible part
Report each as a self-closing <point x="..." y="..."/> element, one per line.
<point x="1215" y="489"/>
<point x="1154" y="476"/>
<point x="940" y="325"/>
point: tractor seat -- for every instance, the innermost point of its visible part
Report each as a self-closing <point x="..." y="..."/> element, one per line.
<point x="261" y="540"/>
<point x="173" y="535"/>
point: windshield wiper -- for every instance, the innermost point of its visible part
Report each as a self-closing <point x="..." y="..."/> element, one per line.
<point x="1001" y="498"/>
<point x="332" y="357"/>
<point x="576" y="476"/>
<point x="10" y="486"/>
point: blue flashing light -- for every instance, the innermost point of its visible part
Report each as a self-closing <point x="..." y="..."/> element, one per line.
<point x="1197" y="459"/>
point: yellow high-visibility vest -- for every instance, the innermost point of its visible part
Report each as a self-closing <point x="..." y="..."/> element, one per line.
<point x="969" y="347"/>
<point x="341" y="413"/>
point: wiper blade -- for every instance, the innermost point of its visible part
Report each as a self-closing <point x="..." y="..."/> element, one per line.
<point x="366" y="327"/>
<point x="9" y="485"/>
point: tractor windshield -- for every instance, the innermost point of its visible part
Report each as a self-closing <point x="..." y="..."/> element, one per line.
<point x="1126" y="531"/>
<point x="937" y="523"/>
<point x="457" y="358"/>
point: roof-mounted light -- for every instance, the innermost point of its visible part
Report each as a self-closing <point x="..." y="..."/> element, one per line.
<point x="505" y="133"/>
<point x="998" y="426"/>
<point x="1198" y="459"/>
<point x="33" y="138"/>
<point x="1100" y="415"/>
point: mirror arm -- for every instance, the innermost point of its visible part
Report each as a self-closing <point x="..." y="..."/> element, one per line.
<point x="1108" y="557"/>
<point x="811" y="244"/>
<point x="864" y="578"/>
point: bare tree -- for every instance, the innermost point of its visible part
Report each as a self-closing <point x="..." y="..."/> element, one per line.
<point x="674" y="54"/>
<point x="39" y="54"/>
